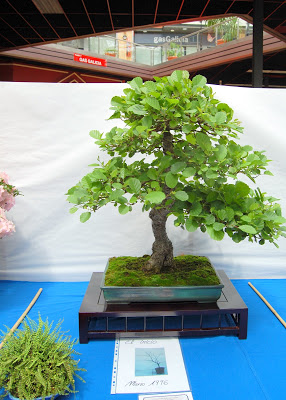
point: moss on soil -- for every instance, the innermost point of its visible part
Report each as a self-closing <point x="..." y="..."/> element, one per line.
<point x="186" y="271"/>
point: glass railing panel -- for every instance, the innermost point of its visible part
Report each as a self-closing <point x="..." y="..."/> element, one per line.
<point x="157" y="56"/>
<point x="143" y="55"/>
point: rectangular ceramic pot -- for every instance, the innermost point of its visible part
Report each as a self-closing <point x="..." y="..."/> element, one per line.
<point x="143" y="294"/>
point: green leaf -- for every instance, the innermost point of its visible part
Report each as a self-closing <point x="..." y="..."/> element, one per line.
<point x="204" y="141"/>
<point x="211" y="174"/>
<point x="154" y="103"/>
<point x="199" y="80"/>
<point x="189" y="171"/>
<point x="229" y="213"/>
<point x="221" y="214"/>
<point x="73" y="199"/>
<point x="151" y="86"/>
<point x="133" y="199"/>
<point x="252" y="157"/>
<point x="248" y="229"/>
<point x="178" y="166"/>
<point x="187" y="128"/>
<point x="137" y="109"/>
<point x="134" y="185"/>
<point x="155" y="185"/>
<point x="123" y="209"/>
<point x="147" y="121"/>
<point x="155" y="197"/>
<point x="171" y="180"/>
<point x="242" y="188"/>
<point x="181" y="195"/>
<point x="152" y="174"/>
<point x="97" y="175"/>
<point x="212" y="196"/>
<point x="115" y="115"/>
<point x="221" y="152"/>
<point x="95" y="134"/>
<point x="117" y="101"/>
<point x="216" y="235"/>
<point x="136" y="84"/>
<point x="220" y="117"/>
<point x="218" y="226"/>
<point x="196" y="209"/>
<point x="191" y="225"/>
<point x="84" y="216"/>
<point x="177" y="76"/>
<point x="247" y="148"/>
<point x="117" y="185"/>
<point x="115" y="194"/>
<point x="191" y="139"/>
<point x="279" y="220"/>
<point x="73" y="210"/>
<point x="237" y="237"/>
<point x="209" y="219"/>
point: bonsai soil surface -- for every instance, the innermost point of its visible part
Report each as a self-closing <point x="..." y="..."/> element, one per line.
<point x="186" y="271"/>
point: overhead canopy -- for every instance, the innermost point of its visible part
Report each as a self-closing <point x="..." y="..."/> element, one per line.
<point x="24" y="23"/>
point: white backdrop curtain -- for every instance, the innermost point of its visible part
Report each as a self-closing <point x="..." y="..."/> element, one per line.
<point x="45" y="149"/>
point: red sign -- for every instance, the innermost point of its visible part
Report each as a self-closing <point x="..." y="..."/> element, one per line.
<point x="89" y="60"/>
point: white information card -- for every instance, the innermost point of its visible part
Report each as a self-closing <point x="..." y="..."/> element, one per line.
<point x="149" y="365"/>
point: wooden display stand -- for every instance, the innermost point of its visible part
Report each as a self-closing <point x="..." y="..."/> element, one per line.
<point x="97" y="319"/>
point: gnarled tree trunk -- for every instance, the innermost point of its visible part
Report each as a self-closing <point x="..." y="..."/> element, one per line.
<point x="162" y="249"/>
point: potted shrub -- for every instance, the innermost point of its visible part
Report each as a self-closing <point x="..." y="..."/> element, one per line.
<point x="174" y="51"/>
<point x="195" y="174"/>
<point x="111" y="51"/>
<point x="37" y="362"/>
<point x="228" y="28"/>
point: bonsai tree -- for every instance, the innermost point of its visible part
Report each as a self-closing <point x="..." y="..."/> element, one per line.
<point x="196" y="170"/>
<point x="155" y="358"/>
<point x="37" y="362"/>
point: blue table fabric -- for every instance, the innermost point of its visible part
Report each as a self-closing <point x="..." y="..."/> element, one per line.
<point x="218" y="368"/>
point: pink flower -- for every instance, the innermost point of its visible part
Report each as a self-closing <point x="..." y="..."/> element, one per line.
<point x="4" y="176"/>
<point x="7" y="192"/>
<point x="7" y="200"/>
<point x="6" y="227"/>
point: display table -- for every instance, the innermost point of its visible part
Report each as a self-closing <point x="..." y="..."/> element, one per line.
<point x="98" y="319"/>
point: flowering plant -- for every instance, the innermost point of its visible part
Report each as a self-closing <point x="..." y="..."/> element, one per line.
<point x="7" y="200"/>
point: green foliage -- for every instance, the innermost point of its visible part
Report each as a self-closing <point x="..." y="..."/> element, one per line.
<point x="174" y="50"/>
<point x="227" y="27"/>
<point x="37" y="361"/>
<point x="199" y="178"/>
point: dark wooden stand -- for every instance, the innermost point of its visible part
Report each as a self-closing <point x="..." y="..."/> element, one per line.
<point x="97" y="319"/>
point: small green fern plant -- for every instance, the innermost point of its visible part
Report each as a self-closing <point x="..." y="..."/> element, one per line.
<point x="37" y="361"/>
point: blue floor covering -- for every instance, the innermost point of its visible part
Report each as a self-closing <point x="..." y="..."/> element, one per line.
<point x="218" y="368"/>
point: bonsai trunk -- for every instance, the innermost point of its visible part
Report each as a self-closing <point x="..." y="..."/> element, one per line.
<point x="162" y="249"/>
